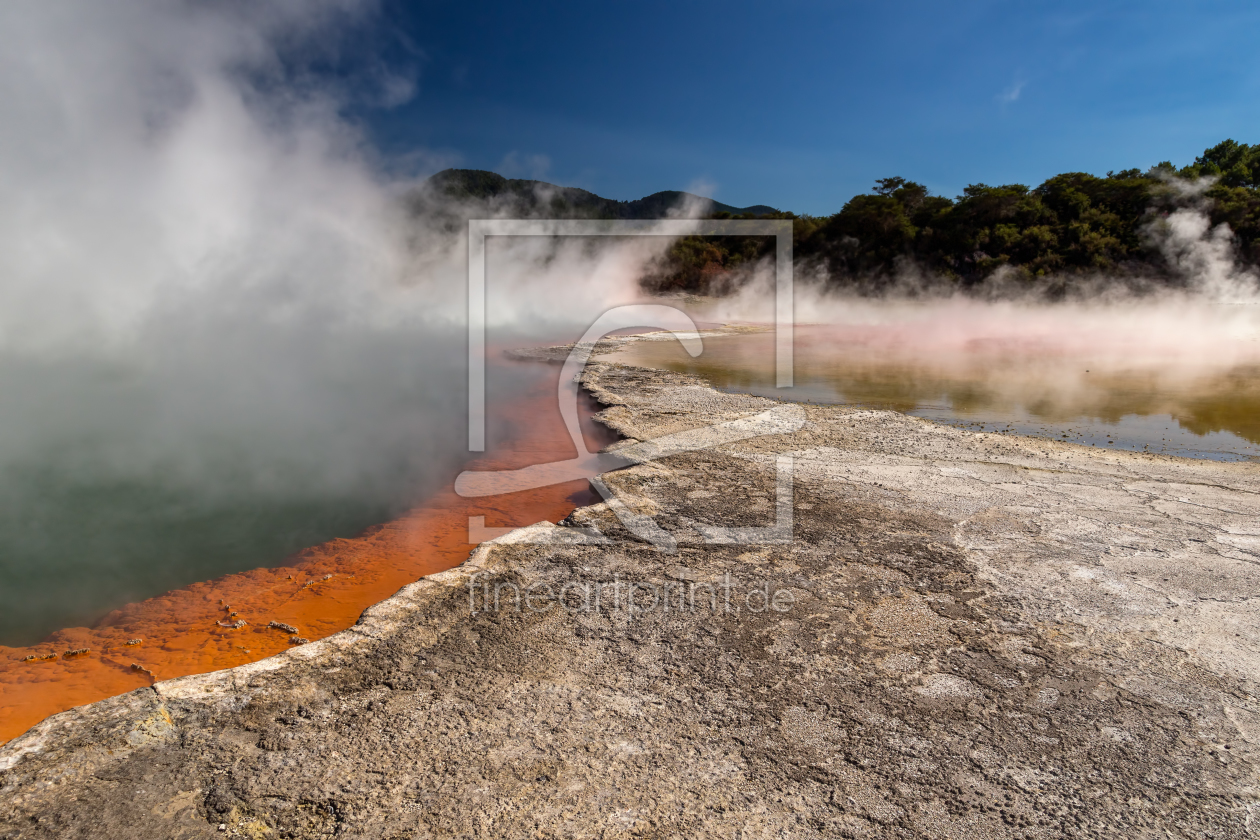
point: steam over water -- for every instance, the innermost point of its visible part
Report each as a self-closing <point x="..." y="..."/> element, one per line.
<point x="223" y="338"/>
<point x="1174" y="377"/>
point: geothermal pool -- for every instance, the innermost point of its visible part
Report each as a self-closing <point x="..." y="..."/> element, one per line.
<point x="1188" y="387"/>
<point x="1136" y="398"/>
<point x="318" y="591"/>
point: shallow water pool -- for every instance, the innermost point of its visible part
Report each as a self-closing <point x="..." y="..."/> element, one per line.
<point x="1158" y="403"/>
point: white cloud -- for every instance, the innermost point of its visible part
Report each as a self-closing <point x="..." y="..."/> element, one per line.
<point x="1012" y="93"/>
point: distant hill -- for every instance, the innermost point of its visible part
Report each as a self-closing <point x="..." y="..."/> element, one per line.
<point x="1074" y="231"/>
<point x="541" y="199"/>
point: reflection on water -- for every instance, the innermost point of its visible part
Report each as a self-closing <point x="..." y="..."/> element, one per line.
<point x="1140" y="402"/>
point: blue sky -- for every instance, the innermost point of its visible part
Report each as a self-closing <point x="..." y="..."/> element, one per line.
<point x="801" y="105"/>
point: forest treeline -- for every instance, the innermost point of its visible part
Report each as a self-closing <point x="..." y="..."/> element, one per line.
<point x="1073" y="225"/>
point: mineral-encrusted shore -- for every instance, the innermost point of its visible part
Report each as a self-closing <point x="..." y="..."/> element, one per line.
<point x="967" y="635"/>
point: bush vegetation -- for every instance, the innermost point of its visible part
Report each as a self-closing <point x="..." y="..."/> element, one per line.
<point x="1073" y="225"/>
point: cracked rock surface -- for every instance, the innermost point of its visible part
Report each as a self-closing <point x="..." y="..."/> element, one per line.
<point x="966" y="635"/>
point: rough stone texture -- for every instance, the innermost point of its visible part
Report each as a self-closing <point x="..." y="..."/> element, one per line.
<point x="985" y="637"/>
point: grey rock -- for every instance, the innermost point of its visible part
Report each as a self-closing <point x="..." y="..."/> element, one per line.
<point x="983" y="636"/>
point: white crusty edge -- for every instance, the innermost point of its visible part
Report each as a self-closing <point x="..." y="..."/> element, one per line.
<point x="134" y="710"/>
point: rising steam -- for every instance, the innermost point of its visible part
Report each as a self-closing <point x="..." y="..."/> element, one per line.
<point x="1205" y="257"/>
<point x="213" y="296"/>
<point x="1207" y="318"/>
<point x="215" y="303"/>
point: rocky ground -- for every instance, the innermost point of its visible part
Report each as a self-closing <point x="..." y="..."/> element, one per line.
<point x="948" y="634"/>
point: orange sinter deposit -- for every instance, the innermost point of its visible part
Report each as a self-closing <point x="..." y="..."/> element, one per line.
<point x="228" y="622"/>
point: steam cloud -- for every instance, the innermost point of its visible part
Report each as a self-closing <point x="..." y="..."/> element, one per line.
<point x="213" y="297"/>
<point x="1203" y="255"/>
<point x="212" y="293"/>
<point x="1210" y="320"/>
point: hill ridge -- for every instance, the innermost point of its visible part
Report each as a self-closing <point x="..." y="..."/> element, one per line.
<point x="536" y="196"/>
